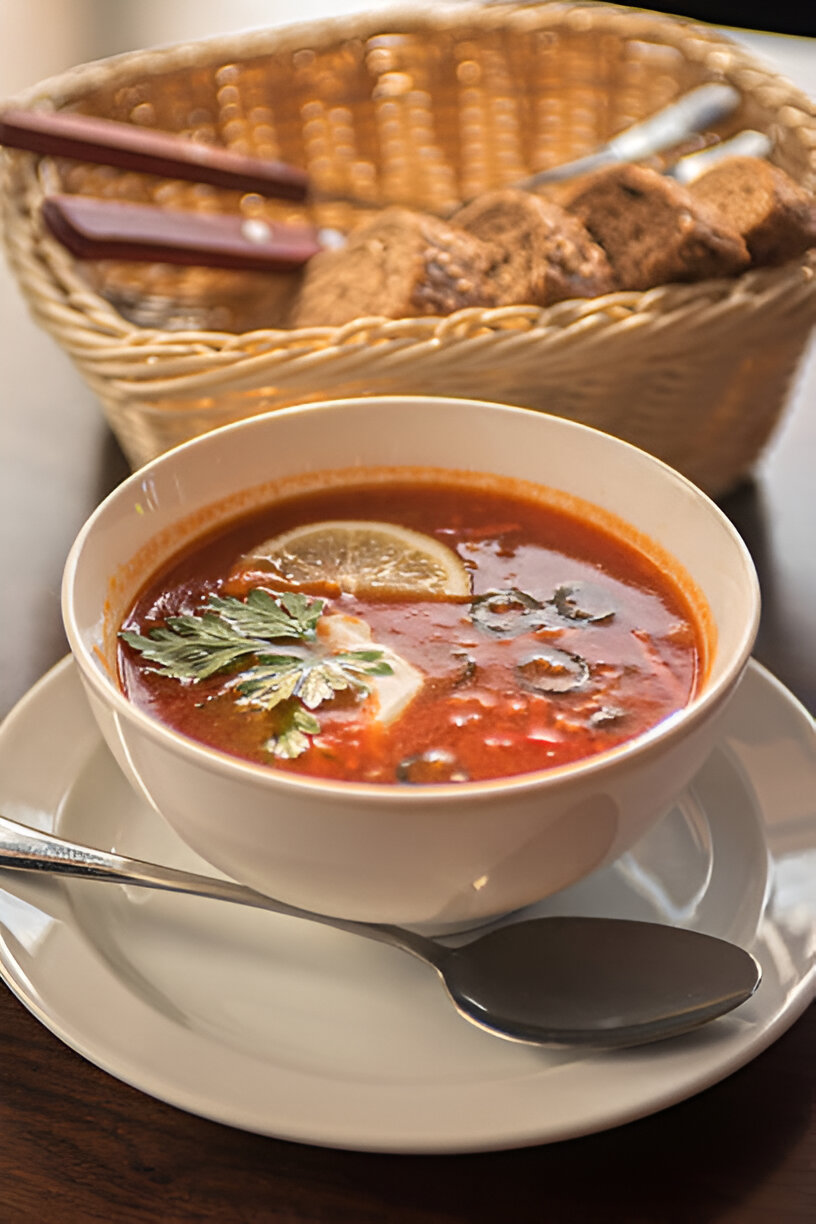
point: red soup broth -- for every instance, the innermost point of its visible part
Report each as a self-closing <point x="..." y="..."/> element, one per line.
<point x="588" y="642"/>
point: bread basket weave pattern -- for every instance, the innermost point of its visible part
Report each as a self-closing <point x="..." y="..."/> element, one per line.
<point x="427" y="106"/>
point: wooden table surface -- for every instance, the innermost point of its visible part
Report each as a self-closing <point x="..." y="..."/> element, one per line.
<point x="76" y="1144"/>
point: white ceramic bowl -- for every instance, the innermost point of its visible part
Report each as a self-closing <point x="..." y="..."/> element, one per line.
<point x="449" y="854"/>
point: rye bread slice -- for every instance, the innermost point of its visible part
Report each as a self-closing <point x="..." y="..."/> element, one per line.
<point x="542" y="254"/>
<point x="400" y="264"/>
<point x="654" y="231"/>
<point x="772" y="213"/>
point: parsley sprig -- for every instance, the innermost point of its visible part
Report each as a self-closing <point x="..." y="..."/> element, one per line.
<point x="231" y="634"/>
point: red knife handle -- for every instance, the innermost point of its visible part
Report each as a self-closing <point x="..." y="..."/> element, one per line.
<point x="111" y="229"/>
<point x="108" y="142"/>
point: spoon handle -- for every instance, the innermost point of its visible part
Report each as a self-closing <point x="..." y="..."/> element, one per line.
<point x="26" y="849"/>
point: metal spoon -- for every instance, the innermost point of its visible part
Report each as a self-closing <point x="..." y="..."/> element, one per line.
<point x="599" y="982"/>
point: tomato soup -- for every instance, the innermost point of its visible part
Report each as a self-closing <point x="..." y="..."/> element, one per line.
<point x="551" y="638"/>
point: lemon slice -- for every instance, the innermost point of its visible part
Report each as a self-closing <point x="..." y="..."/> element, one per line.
<point x="364" y="557"/>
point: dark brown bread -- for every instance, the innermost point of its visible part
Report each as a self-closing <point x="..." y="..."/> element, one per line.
<point x="400" y="264"/>
<point x="542" y="254"/>
<point x="774" y="215"/>
<point x="654" y="231"/>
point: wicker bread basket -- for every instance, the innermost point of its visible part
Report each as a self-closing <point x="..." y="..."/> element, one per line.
<point x="428" y="105"/>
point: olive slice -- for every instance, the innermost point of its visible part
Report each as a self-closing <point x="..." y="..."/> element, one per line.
<point x="550" y="670"/>
<point x="434" y="765"/>
<point x="506" y="613"/>
<point x="583" y="601"/>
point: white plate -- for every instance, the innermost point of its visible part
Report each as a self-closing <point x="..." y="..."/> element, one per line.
<point x="293" y="1030"/>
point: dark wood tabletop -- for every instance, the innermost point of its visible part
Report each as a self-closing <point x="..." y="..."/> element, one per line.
<point x="77" y="1144"/>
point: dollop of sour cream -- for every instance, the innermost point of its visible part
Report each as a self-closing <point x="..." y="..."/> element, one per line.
<point x="390" y="694"/>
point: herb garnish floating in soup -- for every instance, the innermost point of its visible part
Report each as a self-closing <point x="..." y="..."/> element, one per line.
<point x="238" y="639"/>
<point x="411" y="633"/>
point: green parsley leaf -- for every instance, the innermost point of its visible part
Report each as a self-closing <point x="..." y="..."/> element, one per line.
<point x="304" y="610"/>
<point x="269" y="617"/>
<point x="270" y="681"/>
<point x="191" y="647"/>
<point x="320" y="682"/>
<point x="293" y="738"/>
<point x="351" y="661"/>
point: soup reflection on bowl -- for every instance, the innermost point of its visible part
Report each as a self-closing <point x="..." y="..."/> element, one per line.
<point x="405" y="659"/>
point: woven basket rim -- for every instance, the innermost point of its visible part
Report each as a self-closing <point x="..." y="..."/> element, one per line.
<point x="67" y="86"/>
<point x="65" y="294"/>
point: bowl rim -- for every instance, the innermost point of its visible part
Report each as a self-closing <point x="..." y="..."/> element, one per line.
<point x="699" y="708"/>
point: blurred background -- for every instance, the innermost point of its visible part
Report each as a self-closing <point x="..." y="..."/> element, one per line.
<point x="55" y="34"/>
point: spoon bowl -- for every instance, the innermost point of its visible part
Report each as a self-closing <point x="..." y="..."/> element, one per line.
<point x="601" y="982"/>
<point x="604" y="982"/>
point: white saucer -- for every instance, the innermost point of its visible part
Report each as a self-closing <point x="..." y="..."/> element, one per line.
<point x="293" y="1030"/>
